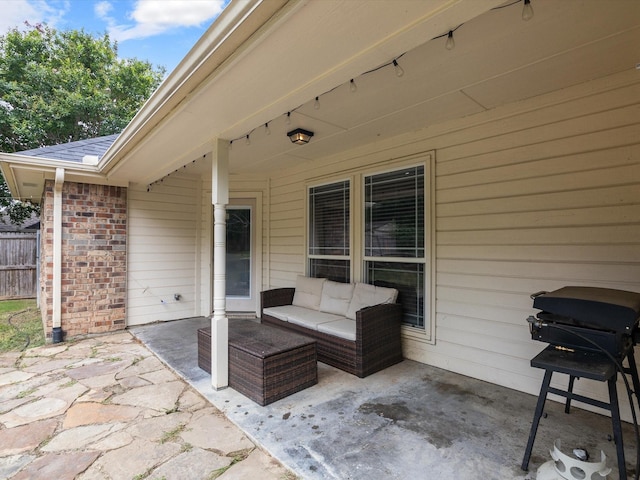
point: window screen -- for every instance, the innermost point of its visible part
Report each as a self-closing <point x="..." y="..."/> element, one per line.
<point x="329" y="218"/>
<point x="394" y="237"/>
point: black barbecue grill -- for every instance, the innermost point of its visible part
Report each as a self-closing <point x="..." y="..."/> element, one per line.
<point x="587" y="318"/>
<point x="591" y="331"/>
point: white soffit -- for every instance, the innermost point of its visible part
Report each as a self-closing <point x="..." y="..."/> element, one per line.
<point x="315" y="47"/>
<point x="308" y="50"/>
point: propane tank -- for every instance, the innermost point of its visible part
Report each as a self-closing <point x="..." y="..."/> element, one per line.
<point x="564" y="467"/>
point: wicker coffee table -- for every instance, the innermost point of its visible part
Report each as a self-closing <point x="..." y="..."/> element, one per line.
<point x="265" y="363"/>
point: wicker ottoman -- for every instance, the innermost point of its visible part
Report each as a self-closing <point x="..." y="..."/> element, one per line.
<point x="265" y="363"/>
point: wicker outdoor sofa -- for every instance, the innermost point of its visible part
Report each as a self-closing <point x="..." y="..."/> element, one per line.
<point x="356" y="326"/>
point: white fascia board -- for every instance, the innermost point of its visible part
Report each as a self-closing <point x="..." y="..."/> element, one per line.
<point x="11" y="164"/>
<point x="15" y="159"/>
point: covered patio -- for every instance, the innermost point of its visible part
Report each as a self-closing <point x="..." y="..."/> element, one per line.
<point x="511" y="165"/>
<point x="399" y="423"/>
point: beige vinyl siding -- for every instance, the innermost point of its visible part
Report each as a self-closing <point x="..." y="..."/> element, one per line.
<point x="162" y="246"/>
<point x="534" y="201"/>
<point x="204" y="258"/>
<point x="531" y="196"/>
<point x="287" y="230"/>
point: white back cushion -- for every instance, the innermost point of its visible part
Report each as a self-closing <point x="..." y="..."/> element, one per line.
<point x="308" y="292"/>
<point x="365" y="295"/>
<point x="336" y="297"/>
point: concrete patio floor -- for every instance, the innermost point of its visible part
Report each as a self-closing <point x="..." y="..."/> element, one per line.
<point x="408" y="421"/>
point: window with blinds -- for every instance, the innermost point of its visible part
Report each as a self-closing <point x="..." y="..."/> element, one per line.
<point x="392" y="240"/>
<point x="394" y="237"/>
<point x="329" y="231"/>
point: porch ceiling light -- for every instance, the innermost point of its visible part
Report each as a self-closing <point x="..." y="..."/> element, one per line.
<point x="300" y="136"/>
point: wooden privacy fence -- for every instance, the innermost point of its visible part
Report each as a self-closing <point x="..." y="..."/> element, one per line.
<point x="18" y="264"/>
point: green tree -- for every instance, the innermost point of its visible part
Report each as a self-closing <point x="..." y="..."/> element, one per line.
<point x="62" y="86"/>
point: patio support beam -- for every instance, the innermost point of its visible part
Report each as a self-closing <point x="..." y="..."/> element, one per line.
<point x="219" y="320"/>
<point x="56" y="334"/>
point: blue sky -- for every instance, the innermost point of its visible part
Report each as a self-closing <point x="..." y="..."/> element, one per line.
<point x="160" y="31"/>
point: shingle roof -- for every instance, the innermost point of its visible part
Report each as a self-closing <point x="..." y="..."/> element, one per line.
<point x="30" y="224"/>
<point x="74" y="151"/>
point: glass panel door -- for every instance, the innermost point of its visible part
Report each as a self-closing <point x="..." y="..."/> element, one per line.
<point x="238" y="252"/>
<point x="240" y="269"/>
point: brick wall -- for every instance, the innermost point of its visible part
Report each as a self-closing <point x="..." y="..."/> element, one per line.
<point x="94" y="258"/>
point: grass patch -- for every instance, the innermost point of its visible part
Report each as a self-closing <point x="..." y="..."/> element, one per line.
<point x="237" y="457"/>
<point x="172" y="435"/>
<point x="20" y="325"/>
<point x="26" y="393"/>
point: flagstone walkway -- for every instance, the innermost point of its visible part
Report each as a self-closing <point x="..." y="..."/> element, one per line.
<point x="105" y="408"/>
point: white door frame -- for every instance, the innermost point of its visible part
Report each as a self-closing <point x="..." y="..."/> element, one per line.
<point x="253" y="199"/>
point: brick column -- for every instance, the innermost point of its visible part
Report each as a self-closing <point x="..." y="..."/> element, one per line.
<point x="94" y="258"/>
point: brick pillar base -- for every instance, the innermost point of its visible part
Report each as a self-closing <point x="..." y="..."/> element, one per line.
<point x="94" y="258"/>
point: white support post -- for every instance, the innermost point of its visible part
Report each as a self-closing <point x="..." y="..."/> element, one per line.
<point x="56" y="334"/>
<point x="219" y="320"/>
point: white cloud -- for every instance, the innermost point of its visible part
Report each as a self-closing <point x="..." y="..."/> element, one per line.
<point x="16" y="12"/>
<point x="102" y="9"/>
<point x="152" y="17"/>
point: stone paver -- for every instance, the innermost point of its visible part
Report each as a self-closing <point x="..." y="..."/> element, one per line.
<point x="64" y="466"/>
<point x="12" y="464"/>
<point x="105" y="408"/>
<point x="256" y="461"/>
<point x="135" y="459"/>
<point x="194" y="464"/>
<point x="14" y="376"/>
<point x="159" y="428"/>
<point x="161" y="397"/>
<point x="26" y="437"/>
<point x="91" y="413"/>
<point x="79" y="438"/>
<point x="197" y="432"/>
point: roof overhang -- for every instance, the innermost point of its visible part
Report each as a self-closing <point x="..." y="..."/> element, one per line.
<point x="25" y="176"/>
<point x="263" y="58"/>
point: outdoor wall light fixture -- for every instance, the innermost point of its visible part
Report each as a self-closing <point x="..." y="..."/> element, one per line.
<point x="300" y="136"/>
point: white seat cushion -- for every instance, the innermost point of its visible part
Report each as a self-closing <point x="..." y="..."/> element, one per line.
<point x="345" y="328"/>
<point x="365" y="295"/>
<point x="308" y="292"/>
<point x="336" y="297"/>
<point x="311" y="318"/>
<point x="281" y="312"/>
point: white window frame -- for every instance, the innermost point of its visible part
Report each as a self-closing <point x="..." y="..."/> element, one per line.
<point x="356" y="232"/>
<point x="427" y="333"/>
<point x="308" y="256"/>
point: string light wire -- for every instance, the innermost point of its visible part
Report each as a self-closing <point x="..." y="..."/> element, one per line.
<point x="399" y="71"/>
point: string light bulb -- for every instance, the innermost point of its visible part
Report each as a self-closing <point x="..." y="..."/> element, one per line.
<point x="231" y="145"/>
<point x="527" y="14"/>
<point x="397" y="68"/>
<point x="527" y="11"/>
<point x="247" y="141"/>
<point x="450" y="43"/>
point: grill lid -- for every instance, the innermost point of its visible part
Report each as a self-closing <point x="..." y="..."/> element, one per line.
<point x="601" y="308"/>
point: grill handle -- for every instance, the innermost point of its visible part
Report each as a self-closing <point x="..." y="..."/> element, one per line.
<point x="537" y="294"/>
